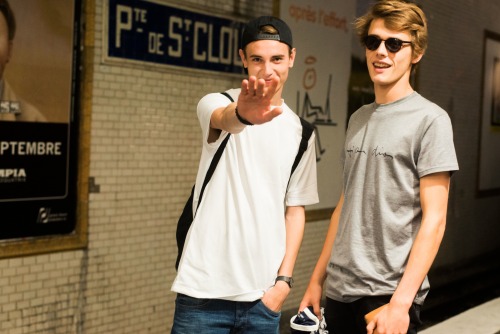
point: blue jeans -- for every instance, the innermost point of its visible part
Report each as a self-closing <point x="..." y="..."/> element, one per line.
<point x="216" y="316"/>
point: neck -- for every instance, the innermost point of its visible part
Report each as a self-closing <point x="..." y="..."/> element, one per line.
<point x="384" y="95"/>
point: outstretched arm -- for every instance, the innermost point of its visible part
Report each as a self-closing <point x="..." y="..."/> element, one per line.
<point x="254" y="106"/>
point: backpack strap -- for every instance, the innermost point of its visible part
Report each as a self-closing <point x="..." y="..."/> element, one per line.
<point x="307" y="130"/>
<point x="226" y="94"/>
<point x="215" y="159"/>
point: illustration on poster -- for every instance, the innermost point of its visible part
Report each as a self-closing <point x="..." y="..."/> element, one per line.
<point x="321" y="114"/>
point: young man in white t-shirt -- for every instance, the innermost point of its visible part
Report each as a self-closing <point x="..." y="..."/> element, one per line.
<point x="237" y="263"/>
<point x="398" y="158"/>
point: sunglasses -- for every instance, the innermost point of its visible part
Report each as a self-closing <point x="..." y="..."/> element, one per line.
<point x="392" y="44"/>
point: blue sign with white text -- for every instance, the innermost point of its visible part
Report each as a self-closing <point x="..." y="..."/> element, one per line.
<point x="151" y="32"/>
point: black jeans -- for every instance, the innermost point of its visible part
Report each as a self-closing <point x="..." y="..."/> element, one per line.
<point x="348" y="318"/>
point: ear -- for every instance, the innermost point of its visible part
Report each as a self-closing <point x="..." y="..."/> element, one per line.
<point x="417" y="58"/>
<point x="243" y="59"/>
<point x="292" y="57"/>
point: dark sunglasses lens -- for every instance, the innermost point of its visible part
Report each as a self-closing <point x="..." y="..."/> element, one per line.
<point x="372" y="42"/>
<point x="393" y="44"/>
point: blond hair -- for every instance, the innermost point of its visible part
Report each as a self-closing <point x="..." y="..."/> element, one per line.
<point x="398" y="16"/>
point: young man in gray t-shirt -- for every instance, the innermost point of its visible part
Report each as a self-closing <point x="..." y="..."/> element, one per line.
<point x="398" y="158"/>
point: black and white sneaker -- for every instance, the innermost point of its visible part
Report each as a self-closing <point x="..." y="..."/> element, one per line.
<point x="305" y="322"/>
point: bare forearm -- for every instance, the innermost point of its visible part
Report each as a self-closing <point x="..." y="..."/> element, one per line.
<point x="422" y="256"/>
<point x="294" y="220"/>
<point x="225" y="119"/>
<point x="434" y="190"/>
<point x="312" y="296"/>
<point x="295" y="224"/>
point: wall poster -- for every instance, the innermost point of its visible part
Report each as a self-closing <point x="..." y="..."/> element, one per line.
<point x="320" y="84"/>
<point x="489" y="131"/>
<point x="39" y="47"/>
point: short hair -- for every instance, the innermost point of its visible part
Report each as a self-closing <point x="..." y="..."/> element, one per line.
<point x="9" y="18"/>
<point x="398" y="15"/>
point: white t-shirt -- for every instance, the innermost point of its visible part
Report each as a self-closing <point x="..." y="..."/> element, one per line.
<point x="237" y="239"/>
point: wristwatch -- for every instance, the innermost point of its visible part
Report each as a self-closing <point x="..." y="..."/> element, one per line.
<point x="288" y="280"/>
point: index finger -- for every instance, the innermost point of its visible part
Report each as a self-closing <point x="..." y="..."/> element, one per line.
<point x="370" y="327"/>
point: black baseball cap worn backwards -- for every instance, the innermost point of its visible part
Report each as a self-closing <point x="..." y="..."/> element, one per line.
<point x="251" y="32"/>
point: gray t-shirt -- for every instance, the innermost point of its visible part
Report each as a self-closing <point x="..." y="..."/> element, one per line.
<point x="388" y="148"/>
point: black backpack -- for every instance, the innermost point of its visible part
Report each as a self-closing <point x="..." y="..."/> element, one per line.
<point x="186" y="218"/>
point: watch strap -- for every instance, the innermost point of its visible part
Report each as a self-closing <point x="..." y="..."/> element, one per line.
<point x="288" y="280"/>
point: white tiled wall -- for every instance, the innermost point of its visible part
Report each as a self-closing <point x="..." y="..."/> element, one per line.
<point x="144" y="150"/>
